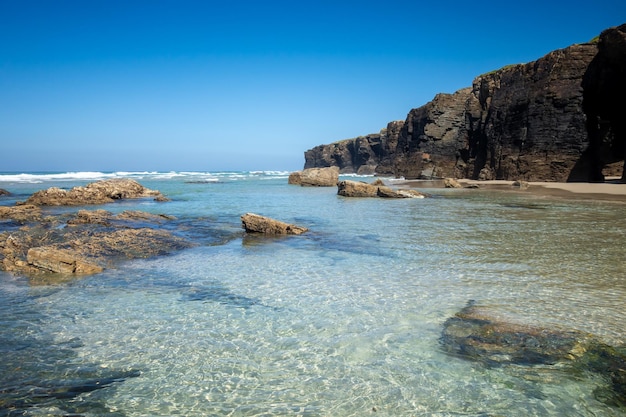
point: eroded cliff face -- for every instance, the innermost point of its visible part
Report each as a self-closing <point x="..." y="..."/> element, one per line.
<point x="560" y="118"/>
<point x="363" y="155"/>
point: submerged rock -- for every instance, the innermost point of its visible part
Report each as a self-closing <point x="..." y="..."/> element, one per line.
<point x="476" y="334"/>
<point x="60" y="261"/>
<point x="254" y="223"/>
<point x="99" y="192"/>
<point x="86" y="243"/>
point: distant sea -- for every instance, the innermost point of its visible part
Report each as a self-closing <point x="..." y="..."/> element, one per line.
<point x="344" y="320"/>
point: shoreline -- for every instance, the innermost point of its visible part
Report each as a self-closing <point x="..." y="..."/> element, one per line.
<point x="610" y="190"/>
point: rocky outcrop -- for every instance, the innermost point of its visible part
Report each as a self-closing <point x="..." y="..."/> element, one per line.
<point x="21" y="214"/>
<point x="4" y="192"/>
<point x="555" y="119"/>
<point x="254" y="223"/>
<point x="362" y="155"/>
<point x="315" y="177"/>
<point x="100" y="192"/>
<point x="85" y="242"/>
<point x="349" y="188"/>
<point x="60" y="261"/>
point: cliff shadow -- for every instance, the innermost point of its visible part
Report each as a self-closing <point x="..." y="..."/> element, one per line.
<point x="604" y="89"/>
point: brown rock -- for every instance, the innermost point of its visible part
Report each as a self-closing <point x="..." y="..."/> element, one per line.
<point x="349" y="188"/>
<point x="319" y="177"/>
<point x="451" y="183"/>
<point x="4" y="192"/>
<point x="253" y="223"/>
<point x="100" y="192"/>
<point x="60" y="261"/>
<point x="386" y="192"/>
<point x="23" y="213"/>
<point x="295" y="178"/>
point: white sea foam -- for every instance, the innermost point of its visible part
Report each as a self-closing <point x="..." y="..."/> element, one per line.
<point x="38" y="178"/>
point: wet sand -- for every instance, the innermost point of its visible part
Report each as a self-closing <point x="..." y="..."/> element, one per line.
<point x="611" y="189"/>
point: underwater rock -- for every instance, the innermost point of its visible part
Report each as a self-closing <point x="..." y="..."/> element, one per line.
<point x="475" y="334"/>
<point x="254" y="223"/>
<point x="84" y="242"/>
<point x="60" y="261"/>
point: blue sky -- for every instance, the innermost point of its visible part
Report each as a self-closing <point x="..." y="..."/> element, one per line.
<point x="246" y="85"/>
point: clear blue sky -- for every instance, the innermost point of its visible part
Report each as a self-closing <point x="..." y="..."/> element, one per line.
<point x="215" y="85"/>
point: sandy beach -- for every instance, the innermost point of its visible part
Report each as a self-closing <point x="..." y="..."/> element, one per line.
<point x="611" y="189"/>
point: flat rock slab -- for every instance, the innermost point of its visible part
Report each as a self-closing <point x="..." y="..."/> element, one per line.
<point x="254" y="223"/>
<point x="349" y="188"/>
<point x="61" y="261"/>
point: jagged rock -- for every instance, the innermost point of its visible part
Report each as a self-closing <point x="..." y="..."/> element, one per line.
<point x="93" y="240"/>
<point x="315" y="177"/>
<point x="527" y="121"/>
<point x="4" y="192"/>
<point x="99" y="192"/>
<point x="105" y="217"/>
<point x="451" y="183"/>
<point x="22" y="214"/>
<point x="364" y="155"/>
<point x="50" y="259"/>
<point x="254" y="223"/>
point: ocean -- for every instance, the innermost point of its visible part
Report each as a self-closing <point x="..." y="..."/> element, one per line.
<point x="345" y="320"/>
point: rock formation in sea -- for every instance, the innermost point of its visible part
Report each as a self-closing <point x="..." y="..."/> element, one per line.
<point x="559" y="118"/>
<point x="85" y="242"/>
<point x="254" y="223"/>
<point x="99" y="192"/>
<point x="349" y="188"/>
<point x="315" y="177"/>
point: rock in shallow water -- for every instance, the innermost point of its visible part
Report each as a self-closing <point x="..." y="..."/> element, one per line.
<point x="99" y="192"/>
<point x="254" y="223"/>
<point x="477" y="334"/>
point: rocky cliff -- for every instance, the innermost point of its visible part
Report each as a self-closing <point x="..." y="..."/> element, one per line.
<point x="560" y="118"/>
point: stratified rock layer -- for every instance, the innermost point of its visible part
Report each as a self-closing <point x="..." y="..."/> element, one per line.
<point x="560" y="118"/>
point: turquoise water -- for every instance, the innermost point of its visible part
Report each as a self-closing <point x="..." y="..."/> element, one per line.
<point x="342" y="321"/>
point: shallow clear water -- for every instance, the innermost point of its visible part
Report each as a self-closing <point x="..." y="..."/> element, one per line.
<point x="342" y="321"/>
